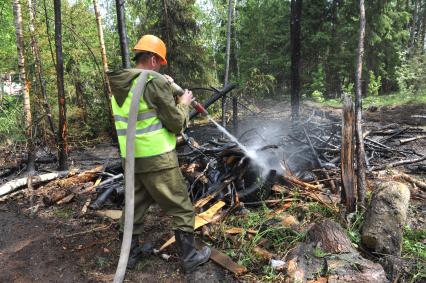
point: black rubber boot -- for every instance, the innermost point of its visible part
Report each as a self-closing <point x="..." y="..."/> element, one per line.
<point x="190" y="257"/>
<point x="136" y="251"/>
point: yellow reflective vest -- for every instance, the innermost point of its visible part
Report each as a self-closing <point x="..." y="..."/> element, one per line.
<point x="152" y="138"/>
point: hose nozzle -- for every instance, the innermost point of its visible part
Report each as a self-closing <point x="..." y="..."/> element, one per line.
<point x="196" y="105"/>
<point x="199" y="108"/>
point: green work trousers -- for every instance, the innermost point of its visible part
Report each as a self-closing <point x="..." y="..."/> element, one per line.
<point x="167" y="188"/>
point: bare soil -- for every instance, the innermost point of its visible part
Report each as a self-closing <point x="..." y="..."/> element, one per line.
<point x="59" y="244"/>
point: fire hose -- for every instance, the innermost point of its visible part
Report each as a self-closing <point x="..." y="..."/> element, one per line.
<point x="129" y="169"/>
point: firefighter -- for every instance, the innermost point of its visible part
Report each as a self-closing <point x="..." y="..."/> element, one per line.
<point x="158" y="179"/>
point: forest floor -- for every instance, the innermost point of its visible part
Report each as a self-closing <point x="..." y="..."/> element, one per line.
<point x="60" y="244"/>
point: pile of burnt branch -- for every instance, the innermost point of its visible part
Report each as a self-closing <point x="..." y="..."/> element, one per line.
<point x="306" y="155"/>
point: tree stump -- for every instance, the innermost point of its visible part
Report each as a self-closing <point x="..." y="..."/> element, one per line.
<point x="328" y="253"/>
<point x="385" y="218"/>
<point x="330" y="237"/>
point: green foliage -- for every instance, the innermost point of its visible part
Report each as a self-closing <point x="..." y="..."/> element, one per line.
<point x="63" y="212"/>
<point x="176" y="23"/>
<point x="11" y="122"/>
<point x="102" y="262"/>
<point x="394" y="99"/>
<point x="316" y="209"/>
<point x="195" y="33"/>
<point x="8" y="54"/>
<point x="259" y="84"/>
<point x="374" y="84"/>
<point x="263" y="38"/>
<point x="318" y="79"/>
<point x="317" y="96"/>
<point x="354" y="228"/>
<point x="411" y="75"/>
<point x="349" y="88"/>
<point x="318" y="252"/>
<point x="279" y="238"/>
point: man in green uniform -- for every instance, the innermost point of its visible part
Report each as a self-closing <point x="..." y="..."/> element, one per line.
<point x="157" y="175"/>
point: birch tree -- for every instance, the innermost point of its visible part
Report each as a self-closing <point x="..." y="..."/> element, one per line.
<point x="23" y="79"/>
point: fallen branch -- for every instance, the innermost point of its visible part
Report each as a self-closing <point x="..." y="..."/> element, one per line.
<point x="418" y="183"/>
<point x="402" y="141"/>
<point x="398" y="163"/>
<point x="14" y="185"/>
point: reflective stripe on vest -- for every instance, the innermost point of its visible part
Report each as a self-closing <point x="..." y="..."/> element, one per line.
<point x="141" y="116"/>
<point x="151" y="137"/>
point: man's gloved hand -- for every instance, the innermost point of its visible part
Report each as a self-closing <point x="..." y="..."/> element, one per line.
<point x="186" y="97"/>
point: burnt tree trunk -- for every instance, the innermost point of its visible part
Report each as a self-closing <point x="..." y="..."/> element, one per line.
<point x="360" y="152"/>
<point x="296" y="14"/>
<point x="39" y="68"/>
<point x="227" y="60"/>
<point x="348" y="192"/>
<point x="21" y="64"/>
<point x="122" y="33"/>
<point x="62" y="130"/>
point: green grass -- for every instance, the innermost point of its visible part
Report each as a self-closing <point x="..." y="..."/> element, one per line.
<point x="393" y="99"/>
<point x="414" y="249"/>
<point x="414" y="243"/>
<point x="272" y="237"/>
<point x="64" y="213"/>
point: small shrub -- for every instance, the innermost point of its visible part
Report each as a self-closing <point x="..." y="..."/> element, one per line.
<point x="374" y="84"/>
<point x="317" y="96"/>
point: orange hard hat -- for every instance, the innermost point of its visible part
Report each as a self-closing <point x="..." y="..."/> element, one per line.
<point x="151" y="43"/>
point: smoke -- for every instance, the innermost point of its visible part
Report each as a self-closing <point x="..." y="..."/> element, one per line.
<point x="267" y="142"/>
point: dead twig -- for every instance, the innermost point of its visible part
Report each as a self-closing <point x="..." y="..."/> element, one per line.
<point x="88" y="231"/>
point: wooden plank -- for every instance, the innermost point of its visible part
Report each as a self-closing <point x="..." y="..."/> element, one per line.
<point x="223" y="260"/>
<point x="200" y="220"/>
